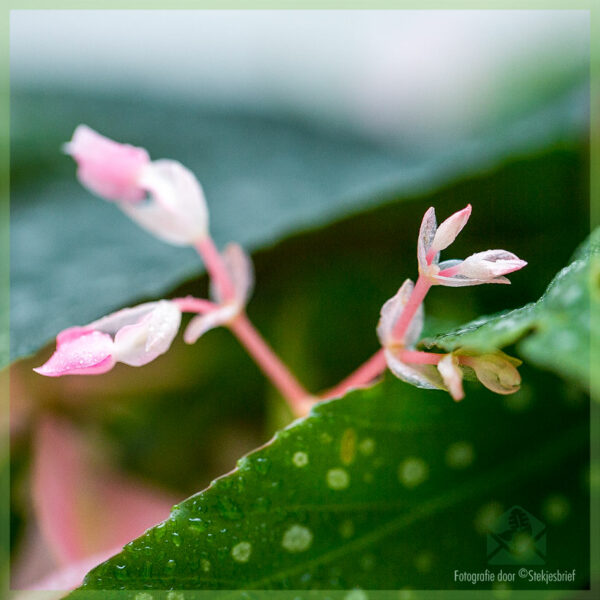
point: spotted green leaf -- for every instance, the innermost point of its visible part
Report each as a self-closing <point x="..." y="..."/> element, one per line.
<point x="386" y="488"/>
<point x="555" y="331"/>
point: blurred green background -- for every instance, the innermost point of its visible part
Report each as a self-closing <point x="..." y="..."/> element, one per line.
<point x="320" y="140"/>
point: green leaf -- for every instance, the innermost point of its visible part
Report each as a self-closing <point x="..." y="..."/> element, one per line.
<point x="386" y="488"/>
<point x="75" y="258"/>
<point x="557" y="329"/>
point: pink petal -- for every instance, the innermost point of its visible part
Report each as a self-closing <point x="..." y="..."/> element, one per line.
<point x="80" y="351"/>
<point x="177" y="211"/>
<point x="390" y="313"/>
<point x="426" y="236"/>
<point x="490" y="264"/>
<point x="452" y="376"/>
<point x="83" y="508"/>
<point x="107" y="168"/>
<point x="446" y="233"/>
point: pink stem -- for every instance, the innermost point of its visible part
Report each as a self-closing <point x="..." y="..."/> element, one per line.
<point x="450" y="271"/>
<point x="416" y="298"/>
<point x="216" y="267"/>
<point x="299" y="399"/>
<point x="195" y="305"/>
<point x="362" y="376"/>
<point x="417" y="357"/>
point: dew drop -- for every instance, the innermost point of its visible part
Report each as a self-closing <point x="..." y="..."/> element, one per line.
<point x="171" y="565"/>
<point x="241" y="552"/>
<point x="175" y="596"/>
<point x="460" y="455"/>
<point x="297" y="538"/>
<point x="176" y="539"/>
<point x="413" y="471"/>
<point x="300" y="459"/>
<point x="196" y="524"/>
<point x="159" y="531"/>
<point x="143" y="596"/>
<point x="338" y="479"/>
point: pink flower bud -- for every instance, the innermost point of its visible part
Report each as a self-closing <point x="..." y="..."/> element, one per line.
<point x="134" y="336"/>
<point x="175" y="210"/>
<point x="105" y="167"/>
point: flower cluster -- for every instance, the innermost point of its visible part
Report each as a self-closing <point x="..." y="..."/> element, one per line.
<point x="402" y="316"/>
<point x="165" y="198"/>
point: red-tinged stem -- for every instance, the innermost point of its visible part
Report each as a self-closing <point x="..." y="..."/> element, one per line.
<point x="374" y="367"/>
<point x="450" y="271"/>
<point x="298" y="398"/>
<point x="416" y="298"/>
<point x="195" y="305"/>
<point x="216" y="267"/>
<point x="421" y="358"/>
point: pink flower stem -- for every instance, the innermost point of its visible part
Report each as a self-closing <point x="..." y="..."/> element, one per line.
<point x="416" y="298"/>
<point x="216" y="267"/>
<point x="420" y="358"/>
<point x="194" y="305"/>
<point x="298" y="398"/>
<point x="372" y="368"/>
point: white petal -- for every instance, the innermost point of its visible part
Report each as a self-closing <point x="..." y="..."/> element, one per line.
<point x="461" y="281"/>
<point x="240" y="269"/>
<point x="421" y="376"/>
<point x="426" y="235"/>
<point x="176" y="211"/>
<point x="140" y="343"/>
<point x="126" y="316"/>
<point x="448" y="230"/>
<point x="390" y="313"/>
<point x="200" y="324"/>
<point x="452" y="376"/>
<point x="490" y="264"/>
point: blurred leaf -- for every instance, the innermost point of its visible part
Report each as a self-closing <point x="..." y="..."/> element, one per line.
<point x="375" y="490"/>
<point x="556" y="328"/>
<point x="74" y="258"/>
